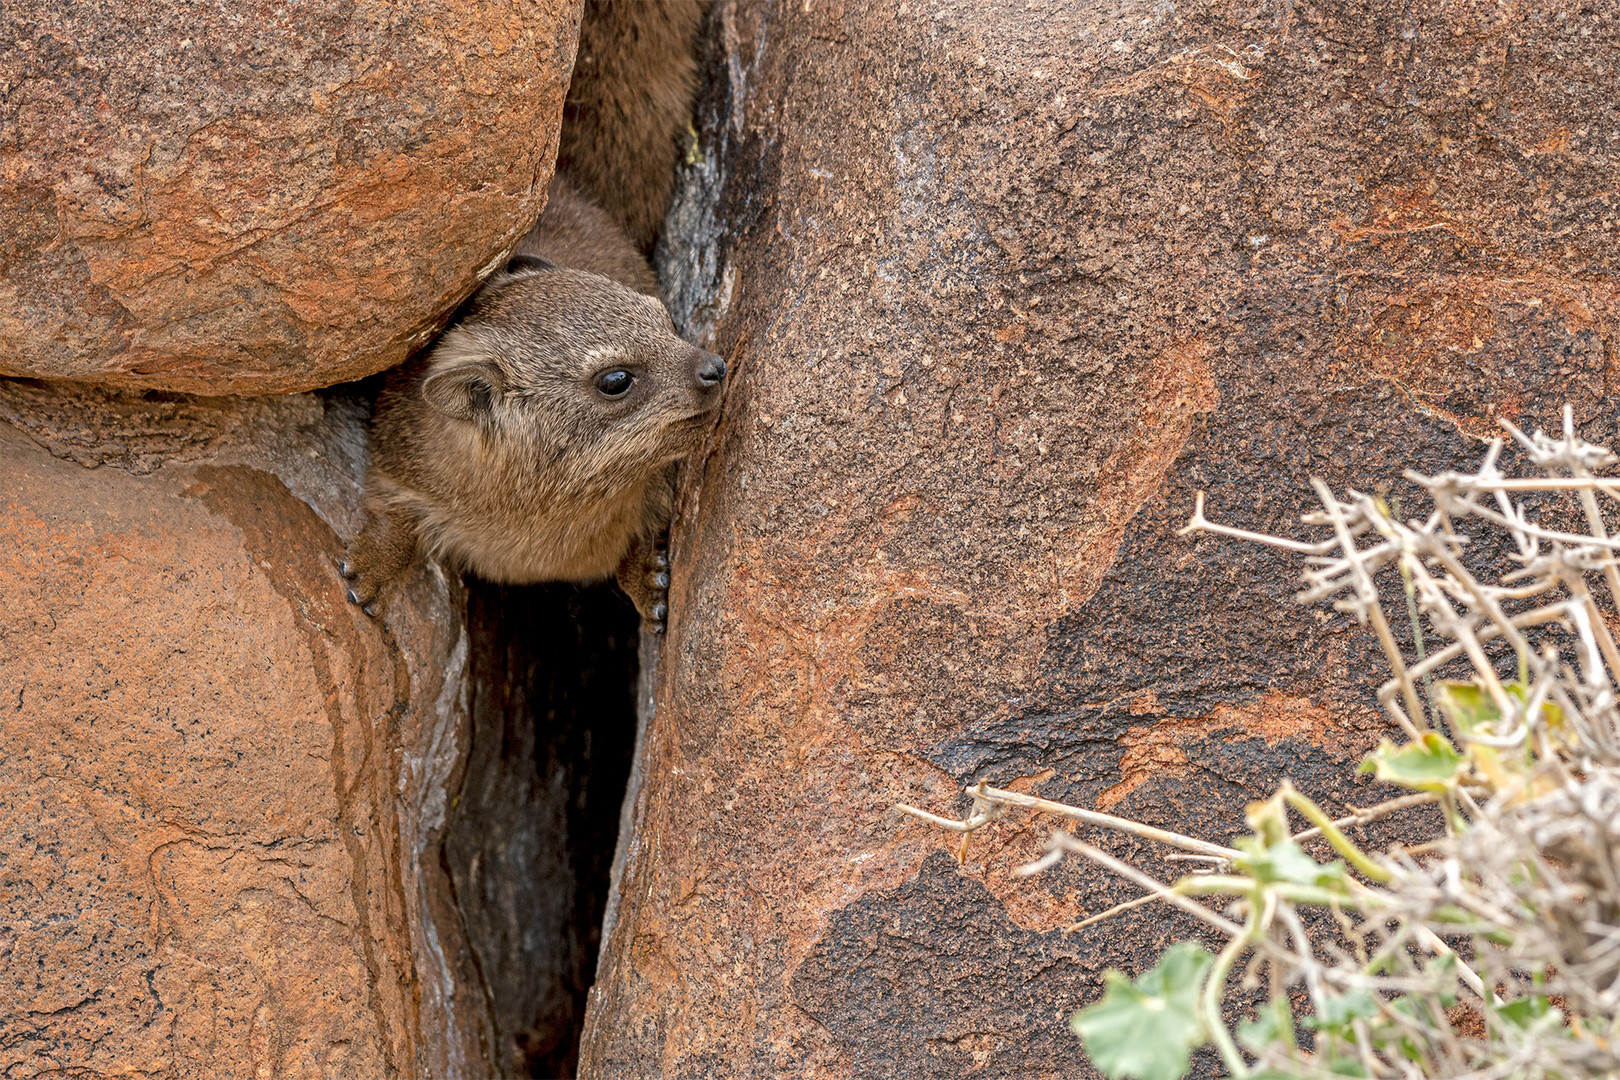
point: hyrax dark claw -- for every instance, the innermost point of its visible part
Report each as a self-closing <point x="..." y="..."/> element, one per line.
<point x="644" y="577"/>
<point x="370" y="609"/>
<point x="354" y="597"/>
<point x="345" y="571"/>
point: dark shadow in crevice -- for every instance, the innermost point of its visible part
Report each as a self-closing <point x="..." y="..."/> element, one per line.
<point x="529" y="845"/>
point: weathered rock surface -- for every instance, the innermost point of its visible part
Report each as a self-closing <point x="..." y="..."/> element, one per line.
<point x="235" y="199"/>
<point x="1004" y="285"/>
<point x="222" y="787"/>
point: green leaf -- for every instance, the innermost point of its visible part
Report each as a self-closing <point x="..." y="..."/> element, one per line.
<point x="1431" y="764"/>
<point x="1529" y="1009"/>
<point x="1286" y="861"/>
<point x="1268" y="820"/>
<point x="1415" y="1008"/>
<point x="1469" y="707"/>
<point x="1444" y="968"/>
<point x="1338" y="1011"/>
<point x="1466" y="706"/>
<point x="1450" y="913"/>
<point x="1146" y="1030"/>
<point x="1272" y="1023"/>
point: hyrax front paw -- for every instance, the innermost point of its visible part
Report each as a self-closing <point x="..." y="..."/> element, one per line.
<point x="376" y="559"/>
<point x="363" y="588"/>
<point x="658" y="614"/>
<point x="644" y="577"/>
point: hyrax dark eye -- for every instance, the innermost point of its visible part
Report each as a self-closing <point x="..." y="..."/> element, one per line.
<point x="615" y="383"/>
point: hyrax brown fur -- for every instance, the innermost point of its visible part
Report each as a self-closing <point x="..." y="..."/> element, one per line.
<point x="536" y="440"/>
<point x="628" y="106"/>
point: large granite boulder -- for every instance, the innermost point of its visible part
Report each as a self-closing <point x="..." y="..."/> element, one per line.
<point x="1004" y="285"/>
<point x="233" y="198"/>
<point x="222" y="788"/>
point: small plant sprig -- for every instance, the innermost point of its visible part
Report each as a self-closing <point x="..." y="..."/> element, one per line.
<point x="1522" y="755"/>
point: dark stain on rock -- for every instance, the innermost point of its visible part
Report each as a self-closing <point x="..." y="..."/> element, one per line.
<point x="899" y="979"/>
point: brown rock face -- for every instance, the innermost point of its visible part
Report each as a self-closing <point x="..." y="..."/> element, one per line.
<point x="222" y="786"/>
<point x="1004" y="285"/>
<point x="230" y="199"/>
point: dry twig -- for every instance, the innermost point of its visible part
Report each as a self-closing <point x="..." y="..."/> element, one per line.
<point x="1525" y="767"/>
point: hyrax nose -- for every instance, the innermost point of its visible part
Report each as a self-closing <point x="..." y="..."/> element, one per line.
<point x="710" y="370"/>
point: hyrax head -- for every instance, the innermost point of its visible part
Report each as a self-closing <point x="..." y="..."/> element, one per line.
<point x="569" y="363"/>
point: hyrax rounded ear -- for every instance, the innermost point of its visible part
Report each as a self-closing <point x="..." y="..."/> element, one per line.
<point x="527" y="264"/>
<point x="465" y="390"/>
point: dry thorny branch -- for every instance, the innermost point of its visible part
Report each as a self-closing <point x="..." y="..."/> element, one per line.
<point x="1521" y="750"/>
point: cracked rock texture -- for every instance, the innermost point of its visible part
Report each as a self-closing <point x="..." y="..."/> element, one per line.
<point x="234" y="198"/>
<point x="222" y="787"/>
<point x="1003" y="286"/>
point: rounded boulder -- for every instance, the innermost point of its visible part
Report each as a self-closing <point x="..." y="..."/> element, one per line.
<point x="240" y="199"/>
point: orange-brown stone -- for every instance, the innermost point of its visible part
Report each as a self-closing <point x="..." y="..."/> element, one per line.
<point x="222" y="786"/>
<point x="236" y="198"/>
<point x="1004" y="285"/>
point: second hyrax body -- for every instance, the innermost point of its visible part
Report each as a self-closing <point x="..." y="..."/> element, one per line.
<point x="535" y="441"/>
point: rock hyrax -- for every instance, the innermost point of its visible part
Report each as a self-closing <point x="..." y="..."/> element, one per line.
<point x="535" y="441"/>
